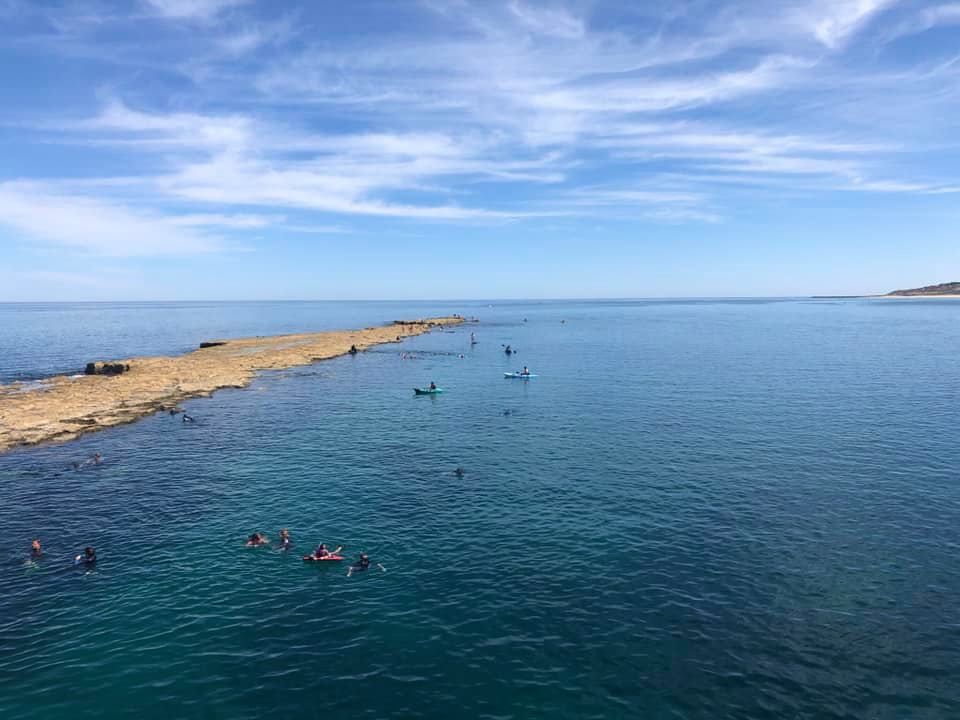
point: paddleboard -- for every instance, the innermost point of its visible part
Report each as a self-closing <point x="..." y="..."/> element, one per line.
<point x="311" y="558"/>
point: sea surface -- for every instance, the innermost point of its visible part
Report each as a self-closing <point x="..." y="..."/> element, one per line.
<point x="698" y="510"/>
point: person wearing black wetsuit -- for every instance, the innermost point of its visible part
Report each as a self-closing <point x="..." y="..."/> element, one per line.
<point x="89" y="557"/>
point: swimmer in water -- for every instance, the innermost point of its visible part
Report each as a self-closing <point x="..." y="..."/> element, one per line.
<point x="285" y="542"/>
<point x="35" y="549"/>
<point x="187" y="418"/>
<point x="362" y="564"/>
<point x="257" y="539"/>
<point x="459" y="472"/>
<point x="175" y="411"/>
<point x="88" y="557"/>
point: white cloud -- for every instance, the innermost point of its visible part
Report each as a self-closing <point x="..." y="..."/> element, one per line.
<point x="193" y="9"/>
<point x="925" y="19"/>
<point x="833" y="22"/>
<point x="40" y="214"/>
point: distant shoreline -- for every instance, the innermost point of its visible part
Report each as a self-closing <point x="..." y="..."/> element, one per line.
<point x="117" y="392"/>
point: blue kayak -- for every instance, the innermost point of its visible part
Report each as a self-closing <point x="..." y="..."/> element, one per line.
<point x="520" y="376"/>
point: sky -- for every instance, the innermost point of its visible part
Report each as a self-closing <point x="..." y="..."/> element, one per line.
<point x="420" y="149"/>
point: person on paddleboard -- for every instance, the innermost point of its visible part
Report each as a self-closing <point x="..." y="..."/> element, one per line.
<point x="363" y="564"/>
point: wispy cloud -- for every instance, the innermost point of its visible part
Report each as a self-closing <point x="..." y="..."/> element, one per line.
<point x="38" y="214"/>
<point x="508" y="110"/>
<point x="192" y="9"/>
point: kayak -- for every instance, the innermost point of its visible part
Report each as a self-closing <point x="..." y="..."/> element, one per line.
<point x="520" y="376"/>
<point x="311" y="558"/>
<point x="427" y="391"/>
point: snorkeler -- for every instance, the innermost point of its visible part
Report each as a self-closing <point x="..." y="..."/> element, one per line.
<point x="88" y="557"/>
<point x="362" y="564"/>
<point x="257" y="539"/>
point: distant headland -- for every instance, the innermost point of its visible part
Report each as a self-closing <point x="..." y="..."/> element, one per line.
<point x="949" y="289"/>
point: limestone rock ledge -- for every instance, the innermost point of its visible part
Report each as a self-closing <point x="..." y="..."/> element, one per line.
<point x="113" y="393"/>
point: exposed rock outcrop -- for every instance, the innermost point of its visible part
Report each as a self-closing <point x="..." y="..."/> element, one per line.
<point x="119" y="392"/>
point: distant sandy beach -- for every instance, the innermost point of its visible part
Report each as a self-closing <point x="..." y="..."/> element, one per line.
<point x="913" y="297"/>
<point x="64" y="407"/>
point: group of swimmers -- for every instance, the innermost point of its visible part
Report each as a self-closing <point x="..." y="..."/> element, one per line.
<point x="321" y="552"/>
<point x="87" y="558"/>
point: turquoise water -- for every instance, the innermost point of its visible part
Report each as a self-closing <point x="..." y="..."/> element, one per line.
<point x="700" y="509"/>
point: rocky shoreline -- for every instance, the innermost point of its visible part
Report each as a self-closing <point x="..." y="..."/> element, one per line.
<point x="117" y="392"/>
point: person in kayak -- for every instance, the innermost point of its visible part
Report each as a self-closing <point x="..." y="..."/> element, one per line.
<point x="433" y="385"/>
<point x="362" y="564"/>
<point x="88" y="557"/>
<point x="285" y="542"/>
<point x="525" y="371"/>
<point x="257" y="539"/>
<point x="322" y="552"/>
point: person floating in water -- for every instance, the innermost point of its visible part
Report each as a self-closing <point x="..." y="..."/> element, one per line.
<point x="362" y="564"/>
<point x="509" y="350"/>
<point x="88" y="557"/>
<point x="433" y="385"/>
<point x="257" y="539"/>
<point x="92" y="460"/>
<point x="175" y="411"/>
<point x="35" y="549"/>
<point x="459" y="472"/>
<point x="188" y="418"/>
<point x="285" y="542"/>
<point x="322" y="552"/>
<point x="353" y="350"/>
<point x="473" y="339"/>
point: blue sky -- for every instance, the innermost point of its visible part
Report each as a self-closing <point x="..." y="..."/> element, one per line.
<point x="234" y="149"/>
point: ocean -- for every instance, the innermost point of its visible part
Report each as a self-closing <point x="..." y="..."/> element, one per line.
<point x="698" y="510"/>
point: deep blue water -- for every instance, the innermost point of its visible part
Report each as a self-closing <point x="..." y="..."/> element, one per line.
<point x="698" y="510"/>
